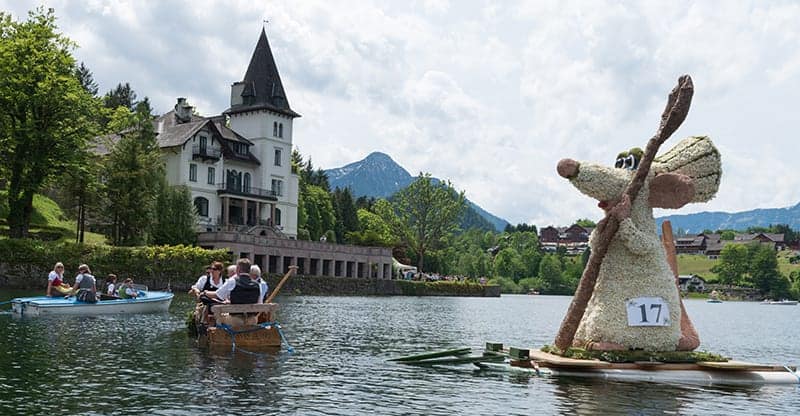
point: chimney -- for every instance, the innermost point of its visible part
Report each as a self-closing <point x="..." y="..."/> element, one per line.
<point x="183" y="111"/>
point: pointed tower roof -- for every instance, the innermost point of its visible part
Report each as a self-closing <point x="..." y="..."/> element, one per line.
<point x="262" y="87"/>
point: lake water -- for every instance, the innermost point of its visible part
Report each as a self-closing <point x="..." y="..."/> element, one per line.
<point x="147" y="364"/>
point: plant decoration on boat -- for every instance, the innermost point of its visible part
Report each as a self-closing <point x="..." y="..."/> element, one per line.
<point x="628" y="297"/>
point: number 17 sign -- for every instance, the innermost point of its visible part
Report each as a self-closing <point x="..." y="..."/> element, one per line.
<point x="647" y="311"/>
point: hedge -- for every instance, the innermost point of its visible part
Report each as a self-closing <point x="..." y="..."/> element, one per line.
<point x="176" y="264"/>
<point x="442" y="287"/>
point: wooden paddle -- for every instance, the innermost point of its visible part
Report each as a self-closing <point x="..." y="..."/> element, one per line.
<point x="292" y="270"/>
<point x="678" y="102"/>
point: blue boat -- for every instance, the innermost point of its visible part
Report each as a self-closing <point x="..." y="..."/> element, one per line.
<point x="146" y="302"/>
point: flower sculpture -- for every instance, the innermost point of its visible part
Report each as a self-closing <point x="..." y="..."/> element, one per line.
<point x="635" y="302"/>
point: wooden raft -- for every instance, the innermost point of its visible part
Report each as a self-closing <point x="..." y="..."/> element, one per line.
<point x="259" y="338"/>
<point x="545" y="359"/>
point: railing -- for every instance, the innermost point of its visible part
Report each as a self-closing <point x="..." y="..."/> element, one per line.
<point x="237" y="189"/>
<point x="204" y="151"/>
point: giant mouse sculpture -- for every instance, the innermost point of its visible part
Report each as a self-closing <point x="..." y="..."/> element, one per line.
<point x="635" y="303"/>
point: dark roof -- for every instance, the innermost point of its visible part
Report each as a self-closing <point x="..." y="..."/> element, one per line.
<point x="226" y="132"/>
<point x="263" y="88"/>
<point x="101" y="145"/>
<point x="171" y="133"/>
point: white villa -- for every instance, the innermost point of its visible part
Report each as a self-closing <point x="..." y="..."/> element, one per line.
<point x="237" y="165"/>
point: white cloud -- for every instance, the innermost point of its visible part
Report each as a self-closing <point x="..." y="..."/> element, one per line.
<point x="487" y="94"/>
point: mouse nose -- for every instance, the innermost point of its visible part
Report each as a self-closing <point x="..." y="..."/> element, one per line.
<point x="567" y="168"/>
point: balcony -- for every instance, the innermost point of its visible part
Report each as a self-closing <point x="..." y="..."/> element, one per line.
<point x="249" y="191"/>
<point x="205" y="153"/>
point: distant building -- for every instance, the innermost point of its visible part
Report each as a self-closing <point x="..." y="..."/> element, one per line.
<point x="574" y="238"/>
<point x="711" y="245"/>
<point x="691" y="283"/>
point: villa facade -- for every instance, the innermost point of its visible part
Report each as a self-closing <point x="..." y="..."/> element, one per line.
<point x="237" y="166"/>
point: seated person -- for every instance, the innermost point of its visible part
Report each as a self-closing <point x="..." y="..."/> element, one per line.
<point x="111" y="288"/>
<point x="56" y="286"/>
<point x="255" y="273"/>
<point x="85" y="285"/>
<point x="242" y="289"/>
<point x="212" y="280"/>
<point x="126" y="291"/>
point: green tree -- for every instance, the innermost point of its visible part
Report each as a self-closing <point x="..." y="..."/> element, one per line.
<point x="318" y="207"/>
<point x="86" y="79"/>
<point x="175" y="220"/>
<point x="508" y="263"/>
<point x="426" y="214"/>
<point x="550" y="272"/>
<point x="46" y="116"/>
<point x="727" y="235"/>
<point x="346" y="213"/>
<point x="764" y="272"/>
<point x="733" y="264"/>
<point x="374" y="230"/>
<point x="122" y="95"/>
<point x="133" y="170"/>
<point x="585" y="222"/>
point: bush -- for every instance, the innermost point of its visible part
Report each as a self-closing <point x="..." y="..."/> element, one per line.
<point x="170" y="263"/>
<point x="441" y="287"/>
<point x="506" y="285"/>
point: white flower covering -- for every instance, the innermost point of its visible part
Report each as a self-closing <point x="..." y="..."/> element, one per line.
<point x="635" y="264"/>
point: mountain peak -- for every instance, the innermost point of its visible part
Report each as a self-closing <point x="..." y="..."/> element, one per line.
<point x="379" y="176"/>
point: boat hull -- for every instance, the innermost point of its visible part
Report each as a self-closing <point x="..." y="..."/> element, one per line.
<point x="695" y="377"/>
<point x="152" y="302"/>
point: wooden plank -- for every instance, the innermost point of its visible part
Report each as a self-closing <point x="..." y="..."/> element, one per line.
<point x="559" y="361"/>
<point x="457" y="360"/>
<point x="740" y="365"/>
<point x="435" y="354"/>
<point x="245" y="308"/>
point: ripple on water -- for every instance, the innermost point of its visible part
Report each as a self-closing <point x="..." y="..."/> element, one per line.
<point x="148" y="364"/>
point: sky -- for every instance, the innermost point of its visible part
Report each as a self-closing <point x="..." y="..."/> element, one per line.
<point x="488" y="94"/>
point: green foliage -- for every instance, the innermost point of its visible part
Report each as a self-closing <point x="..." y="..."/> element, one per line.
<point x="346" y="214"/>
<point x="121" y="96"/>
<point x="727" y="235"/>
<point x="753" y="265"/>
<point x="585" y="222"/>
<point x="176" y="218"/>
<point x="175" y="263"/>
<point x="303" y="234"/>
<point x="508" y="263"/>
<point x="411" y="288"/>
<point x="425" y="215"/>
<point x="637" y="355"/>
<point x="733" y="264"/>
<point x="318" y="208"/>
<point x="374" y="231"/>
<point x="133" y="169"/>
<point x="46" y="115"/>
<point x="507" y="285"/>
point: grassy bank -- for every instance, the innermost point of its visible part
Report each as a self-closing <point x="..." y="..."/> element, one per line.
<point x="48" y="221"/>
<point x="701" y="265"/>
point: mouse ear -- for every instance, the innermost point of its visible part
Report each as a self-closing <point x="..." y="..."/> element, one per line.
<point x="671" y="190"/>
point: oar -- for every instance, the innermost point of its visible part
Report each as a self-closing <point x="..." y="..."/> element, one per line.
<point x="292" y="270"/>
<point x="675" y="112"/>
<point x="690" y="339"/>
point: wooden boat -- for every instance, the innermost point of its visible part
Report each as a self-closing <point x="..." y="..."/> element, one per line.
<point x="147" y="302"/>
<point x="254" y="327"/>
<point x="713" y="301"/>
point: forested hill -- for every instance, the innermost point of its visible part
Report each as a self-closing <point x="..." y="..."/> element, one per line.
<point x="377" y="175"/>
<point x="696" y="223"/>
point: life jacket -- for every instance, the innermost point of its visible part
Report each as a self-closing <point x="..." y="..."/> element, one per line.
<point x="87" y="281"/>
<point x="247" y="290"/>
<point x="121" y="292"/>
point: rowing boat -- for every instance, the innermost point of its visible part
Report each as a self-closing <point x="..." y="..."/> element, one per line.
<point x="146" y="302"/>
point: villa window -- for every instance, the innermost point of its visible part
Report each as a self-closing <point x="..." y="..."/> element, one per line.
<point x="211" y="174"/>
<point x="274" y="129"/>
<point x="277" y="157"/>
<point x="277" y="216"/>
<point x="203" y="144"/>
<point x="277" y="187"/>
<point x="201" y="204"/>
<point x="246" y="183"/>
<point x="280" y="130"/>
<point x="192" y="172"/>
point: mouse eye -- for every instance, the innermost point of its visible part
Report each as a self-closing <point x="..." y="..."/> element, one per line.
<point x="619" y="163"/>
<point x="630" y="162"/>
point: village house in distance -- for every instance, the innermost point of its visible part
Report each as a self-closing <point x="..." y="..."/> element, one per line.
<point x="237" y="166"/>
